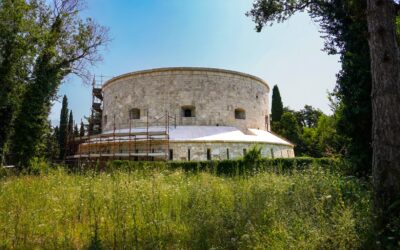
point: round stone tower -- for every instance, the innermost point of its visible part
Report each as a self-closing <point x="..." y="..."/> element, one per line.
<point x="183" y="114"/>
<point x="195" y="96"/>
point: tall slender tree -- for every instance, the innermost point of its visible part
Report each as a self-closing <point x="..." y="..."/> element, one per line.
<point x="277" y="106"/>
<point x="70" y="132"/>
<point x="63" y="128"/>
<point x="82" y="130"/>
<point x="70" y="124"/>
<point x="76" y="130"/>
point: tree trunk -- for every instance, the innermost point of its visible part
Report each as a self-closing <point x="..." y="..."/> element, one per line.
<point x="385" y="69"/>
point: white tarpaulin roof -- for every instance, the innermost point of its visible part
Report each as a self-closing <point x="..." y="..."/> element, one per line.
<point x="213" y="133"/>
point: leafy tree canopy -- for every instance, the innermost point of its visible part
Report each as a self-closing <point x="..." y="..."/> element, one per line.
<point x="65" y="44"/>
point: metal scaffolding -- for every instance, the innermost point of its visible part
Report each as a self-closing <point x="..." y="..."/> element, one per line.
<point x="136" y="140"/>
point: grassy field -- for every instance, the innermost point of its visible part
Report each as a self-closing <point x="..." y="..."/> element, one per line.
<point x="157" y="209"/>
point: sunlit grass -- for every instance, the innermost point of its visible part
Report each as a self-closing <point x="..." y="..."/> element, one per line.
<point x="176" y="210"/>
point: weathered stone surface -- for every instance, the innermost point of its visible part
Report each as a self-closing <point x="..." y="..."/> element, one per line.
<point x="220" y="150"/>
<point x="214" y="94"/>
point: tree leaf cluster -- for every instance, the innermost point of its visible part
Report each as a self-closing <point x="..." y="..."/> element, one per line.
<point x="313" y="132"/>
<point x="344" y="28"/>
<point x="54" y="41"/>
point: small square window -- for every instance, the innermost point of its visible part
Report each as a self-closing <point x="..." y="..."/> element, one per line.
<point x="188" y="111"/>
<point x="240" y="114"/>
<point x="134" y="114"/>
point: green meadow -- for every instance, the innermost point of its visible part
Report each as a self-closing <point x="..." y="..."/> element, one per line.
<point x="176" y="209"/>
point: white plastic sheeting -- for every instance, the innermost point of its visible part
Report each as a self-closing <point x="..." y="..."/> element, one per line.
<point x="212" y="134"/>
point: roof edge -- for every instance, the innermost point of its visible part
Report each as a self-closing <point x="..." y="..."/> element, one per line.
<point x="215" y="70"/>
<point x="231" y="141"/>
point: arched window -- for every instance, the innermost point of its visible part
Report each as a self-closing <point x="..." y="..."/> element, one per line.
<point x="134" y="113"/>
<point x="188" y="111"/>
<point x="240" y="114"/>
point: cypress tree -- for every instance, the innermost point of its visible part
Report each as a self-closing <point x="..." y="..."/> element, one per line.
<point x="277" y="106"/>
<point x="57" y="134"/>
<point x="70" y="132"/>
<point x="82" y="130"/>
<point x="63" y="128"/>
<point x="76" y="130"/>
<point x="70" y="124"/>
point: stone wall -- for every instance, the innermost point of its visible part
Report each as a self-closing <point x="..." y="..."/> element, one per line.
<point x="220" y="150"/>
<point x="213" y="94"/>
<point x="198" y="150"/>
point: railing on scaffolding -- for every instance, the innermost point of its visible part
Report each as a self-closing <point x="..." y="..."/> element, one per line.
<point x="147" y="140"/>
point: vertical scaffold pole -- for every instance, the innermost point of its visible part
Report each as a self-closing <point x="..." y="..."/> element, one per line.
<point x="129" y="139"/>
<point x="147" y="135"/>
<point x="167" y="136"/>
<point x="134" y="146"/>
<point x="89" y="147"/>
<point x="79" y="146"/>
<point x="113" y="143"/>
<point x="100" y="145"/>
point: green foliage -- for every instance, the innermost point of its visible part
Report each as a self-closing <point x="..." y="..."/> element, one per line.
<point x="329" y="140"/>
<point x="308" y="116"/>
<point x="16" y="50"/>
<point x="253" y="154"/>
<point x="250" y="165"/>
<point x="344" y="26"/>
<point x="322" y="140"/>
<point x="314" y="133"/>
<point x="76" y="131"/>
<point x="38" y="166"/>
<point x="82" y="130"/>
<point x="63" y="131"/>
<point x="288" y="127"/>
<point x="66" y="44"/>
<point x="49" y="148"/>
<point x="70" y="124"/>
<point x="277" y="106"/>
<point x="353" y="88"/>
<point x="165" y="209"/>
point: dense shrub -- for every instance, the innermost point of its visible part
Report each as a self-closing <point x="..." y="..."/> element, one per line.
<point x="241" y="166"/>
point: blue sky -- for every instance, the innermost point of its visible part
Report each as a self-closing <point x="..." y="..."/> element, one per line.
<point x="207" y="33"/>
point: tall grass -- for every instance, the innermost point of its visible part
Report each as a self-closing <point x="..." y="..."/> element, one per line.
<point x="177" y="210"/>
